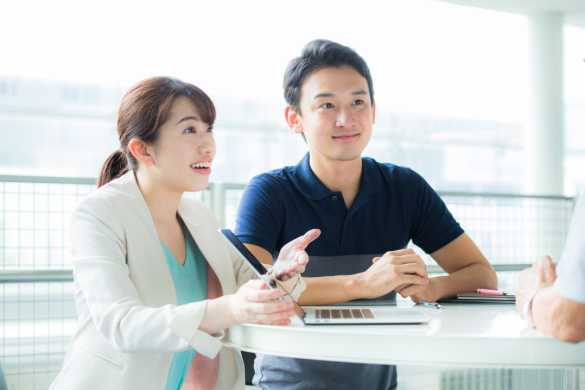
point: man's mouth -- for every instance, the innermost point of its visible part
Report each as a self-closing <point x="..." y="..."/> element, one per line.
<point x="346" y="136"/>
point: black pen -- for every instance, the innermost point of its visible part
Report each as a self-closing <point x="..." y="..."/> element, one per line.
<point x="430" y="304"/>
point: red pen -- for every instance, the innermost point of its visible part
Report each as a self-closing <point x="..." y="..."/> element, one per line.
<point x="491" y="292"/>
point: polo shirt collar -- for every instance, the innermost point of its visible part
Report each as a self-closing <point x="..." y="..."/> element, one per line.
<point x="309" y="183"/>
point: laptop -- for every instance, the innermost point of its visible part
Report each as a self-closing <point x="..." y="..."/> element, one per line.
<point x="327" y="315"/>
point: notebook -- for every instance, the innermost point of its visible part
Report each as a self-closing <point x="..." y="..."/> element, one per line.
<point x="486" y="298"/>
<point x="330" y="315"/>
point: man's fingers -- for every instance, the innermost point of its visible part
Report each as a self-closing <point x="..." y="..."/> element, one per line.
<point x="410" y="291"/>
<point x="402" y="259"/>
<point x="303" y="241"/>
<point x="401" y="252"/>
<point x="412" y="268"/>
<point x="302" y="258"/>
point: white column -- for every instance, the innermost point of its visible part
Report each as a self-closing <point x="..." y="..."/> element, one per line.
<point x="545" y="133"/>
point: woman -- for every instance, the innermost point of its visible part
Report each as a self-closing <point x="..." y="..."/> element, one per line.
<point x="155" y="283"/>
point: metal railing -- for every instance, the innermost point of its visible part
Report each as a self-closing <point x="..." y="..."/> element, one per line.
<point x="37" y="311"/>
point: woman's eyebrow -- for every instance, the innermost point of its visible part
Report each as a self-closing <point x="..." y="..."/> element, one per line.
<point x="187" y="118"/>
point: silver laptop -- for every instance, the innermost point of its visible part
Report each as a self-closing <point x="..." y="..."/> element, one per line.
<point x="326" y="315"/>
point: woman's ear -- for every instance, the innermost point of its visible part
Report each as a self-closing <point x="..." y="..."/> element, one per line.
<point x="140" y="151"/>
<point x="293" y="119"/>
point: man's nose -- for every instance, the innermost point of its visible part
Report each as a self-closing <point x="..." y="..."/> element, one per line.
<point x="344" y="118"/>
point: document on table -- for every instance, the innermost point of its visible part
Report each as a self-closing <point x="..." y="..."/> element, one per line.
<point x="481" y="298"/>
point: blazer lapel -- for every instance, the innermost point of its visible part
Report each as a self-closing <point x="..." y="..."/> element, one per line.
<point x="146" y="262"/>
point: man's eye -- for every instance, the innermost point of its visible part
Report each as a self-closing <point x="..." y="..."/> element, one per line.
<point x="327" y="105"/>
<point x="190" y="130"/>
<point x="358" y="102"/>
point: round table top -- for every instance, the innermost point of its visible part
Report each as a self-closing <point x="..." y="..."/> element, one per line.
<point x="478" y="335"/>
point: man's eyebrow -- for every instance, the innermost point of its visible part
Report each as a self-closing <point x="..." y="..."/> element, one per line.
<point x="324" y="94"/>
<point x="329" y="94"/>
<point x="187" y="118"/>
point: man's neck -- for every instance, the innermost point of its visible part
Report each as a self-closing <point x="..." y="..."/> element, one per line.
<point x="342" y="176"/>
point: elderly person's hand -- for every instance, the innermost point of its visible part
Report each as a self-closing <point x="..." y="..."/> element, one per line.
<point x="542" y="273"/>
<point x="293" y="258"/>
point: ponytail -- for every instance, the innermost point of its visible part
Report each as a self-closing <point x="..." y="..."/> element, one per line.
<point x="115" y="166"/>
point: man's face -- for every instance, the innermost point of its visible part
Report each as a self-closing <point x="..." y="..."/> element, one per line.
<point x="336" y="114"/>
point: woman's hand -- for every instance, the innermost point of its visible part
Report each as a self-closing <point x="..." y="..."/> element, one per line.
<point x="255" y="304"/>
<point x="293" y="258"/>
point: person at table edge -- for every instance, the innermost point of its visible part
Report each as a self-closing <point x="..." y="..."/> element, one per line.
<point x="552" y="298"/>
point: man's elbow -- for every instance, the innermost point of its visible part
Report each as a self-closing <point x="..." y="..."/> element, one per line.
<point x="490" y="277"/>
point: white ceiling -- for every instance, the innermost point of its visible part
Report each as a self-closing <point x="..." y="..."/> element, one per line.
<point x="574" y="10"/>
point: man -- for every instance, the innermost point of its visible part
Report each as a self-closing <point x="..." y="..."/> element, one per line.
<point x="364" y="209"/>
<point x="552" y="299"/>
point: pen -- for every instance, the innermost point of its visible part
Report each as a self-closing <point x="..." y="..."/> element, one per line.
<point x="430" y="304"/>
<point x="491" y="292"/>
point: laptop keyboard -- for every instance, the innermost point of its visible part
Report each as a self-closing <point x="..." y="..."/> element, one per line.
<point x="343" y="313"/>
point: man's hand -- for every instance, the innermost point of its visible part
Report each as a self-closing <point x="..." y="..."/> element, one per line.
<point x="428" y="293"/>
<point x="542" y="273"/>
<point x="293" y="258"/>
<point x="395" y="270"/>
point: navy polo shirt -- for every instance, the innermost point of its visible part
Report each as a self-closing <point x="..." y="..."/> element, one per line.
<point x="393" y="205"/>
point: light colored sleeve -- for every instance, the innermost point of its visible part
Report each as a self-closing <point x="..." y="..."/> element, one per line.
<point x="570" y="281"/>
<point x="98" y="252"/>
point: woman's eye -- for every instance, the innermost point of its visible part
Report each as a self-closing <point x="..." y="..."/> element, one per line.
<point x="327" y="105"/>
<point x="190" y="130"/>
<point x="210" y="129"/>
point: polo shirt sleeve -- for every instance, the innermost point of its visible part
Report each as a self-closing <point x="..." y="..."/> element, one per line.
<point x="260" y="214"/>
<point x="570" y="281"/>
<point x="433" y="225"/>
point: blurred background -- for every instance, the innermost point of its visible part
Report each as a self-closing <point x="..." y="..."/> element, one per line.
<point x="459" y="98"/>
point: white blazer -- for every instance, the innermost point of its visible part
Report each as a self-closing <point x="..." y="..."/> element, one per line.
<point x="129" y="324"/>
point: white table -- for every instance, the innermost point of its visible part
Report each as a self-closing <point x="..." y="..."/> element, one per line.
<point x="472" y="335"/>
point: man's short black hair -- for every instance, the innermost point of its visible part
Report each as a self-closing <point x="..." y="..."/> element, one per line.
<point x="316" y="55"/>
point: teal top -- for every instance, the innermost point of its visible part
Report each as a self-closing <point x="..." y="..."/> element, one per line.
<point x="190" y="282"/>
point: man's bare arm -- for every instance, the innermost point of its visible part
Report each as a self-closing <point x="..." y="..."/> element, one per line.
<point x="467" y="267"/>
<point x="558" y="316"/>
<point x="393" y="269"/>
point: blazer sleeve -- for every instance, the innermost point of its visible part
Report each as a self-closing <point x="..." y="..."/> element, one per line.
<point x="98" y="255"/>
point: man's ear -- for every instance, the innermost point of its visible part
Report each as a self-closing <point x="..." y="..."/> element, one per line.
<point x="139" y="150"/>
<point x="374" y="113"/>
<point x="293" y="119"/>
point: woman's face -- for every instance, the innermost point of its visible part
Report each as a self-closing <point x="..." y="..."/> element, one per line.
<point x="185" y="149"/>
